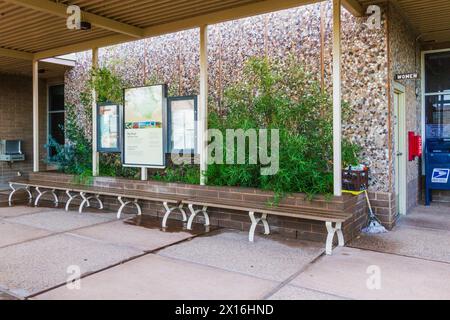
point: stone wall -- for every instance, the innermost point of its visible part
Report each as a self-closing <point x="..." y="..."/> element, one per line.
<point x="16" y="121"/>
<point x="405" y="58"/>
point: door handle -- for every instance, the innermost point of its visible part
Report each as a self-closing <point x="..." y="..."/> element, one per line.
<point x="399" y="154"/>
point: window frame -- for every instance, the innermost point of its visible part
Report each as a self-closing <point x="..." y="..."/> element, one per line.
<point x="424" y="94"/>
<point x="170" y="149"/>
<point x="50" y="112"/>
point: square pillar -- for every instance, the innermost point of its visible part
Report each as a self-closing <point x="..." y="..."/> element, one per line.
<point x="203" y="103"/>
<point x="35" y="115"/>
<point x="337" y="100"/>
<point x="95" y="154"/>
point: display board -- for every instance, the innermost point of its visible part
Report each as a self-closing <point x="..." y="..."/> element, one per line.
<point x="182" y="124"/>
<point x="144" y="138"/>
<point x="108" y="128"/>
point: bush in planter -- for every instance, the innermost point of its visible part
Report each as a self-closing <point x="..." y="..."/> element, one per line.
<point x="280" y="96"/>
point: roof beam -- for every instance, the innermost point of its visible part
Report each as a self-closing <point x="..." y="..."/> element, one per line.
<point x="60" y="10"/>
<point x="84" y="46"/>
<point x="59" y="61"/>
<point x="354" y="7"/>
<point x="238" y="12"/>
<point x="16" y="54"/>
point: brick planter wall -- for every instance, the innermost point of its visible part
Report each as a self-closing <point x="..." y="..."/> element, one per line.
<point x="385" y="208"/>
<point x="289" y="227"/>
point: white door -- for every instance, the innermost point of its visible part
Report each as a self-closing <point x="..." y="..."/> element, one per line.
<point x="400" y="148"/>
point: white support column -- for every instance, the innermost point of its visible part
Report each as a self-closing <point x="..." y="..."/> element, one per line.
<point x="203" y="103"/>
<point x="144" y="174"/>
<point x="35" y="115"/>
<point x="95" y="154"/>
<point x="337" y="108"/>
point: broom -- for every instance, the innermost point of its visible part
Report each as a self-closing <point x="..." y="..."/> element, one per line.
<point x="374" y="225"/>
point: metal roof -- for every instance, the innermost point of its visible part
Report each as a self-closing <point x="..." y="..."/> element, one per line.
<point x="31" y="29"/>
<point x="429" y="19"/>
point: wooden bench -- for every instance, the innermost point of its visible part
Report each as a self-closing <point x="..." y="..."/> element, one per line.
<point x="333" y="219"/>
<point x="88" y="193"/>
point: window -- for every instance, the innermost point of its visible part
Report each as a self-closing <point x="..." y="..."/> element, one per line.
<point x="437" y="95"/>
<point x="56" y="116"/>
<point x="182" y="128"/>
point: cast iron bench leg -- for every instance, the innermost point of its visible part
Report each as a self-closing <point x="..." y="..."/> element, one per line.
<point x="169" y="212"/>
<point x="40" y="194"/>
<point x="86" y="201"/>
<point x="194" y="214"/>
<point x="255" y="222"/>
<point x="14" y="190"/>
<point x="124" y="204"/>
<point x="331" y="232"/>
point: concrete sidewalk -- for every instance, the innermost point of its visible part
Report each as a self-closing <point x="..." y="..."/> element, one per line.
<point x="136" y="260"/>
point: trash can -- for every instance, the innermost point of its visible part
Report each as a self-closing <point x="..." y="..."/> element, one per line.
<point x="437" y="166"/>
<point x="355" y="178"/>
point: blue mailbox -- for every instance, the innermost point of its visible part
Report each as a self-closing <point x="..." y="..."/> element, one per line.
<point x="437" y="166"/>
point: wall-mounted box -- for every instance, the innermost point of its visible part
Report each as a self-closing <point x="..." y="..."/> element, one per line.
<point x="11" y="150"/>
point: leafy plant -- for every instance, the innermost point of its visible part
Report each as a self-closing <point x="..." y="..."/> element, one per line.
<point x="189" y="174"/>
<point x="280" y="96"/>
<point x="74" y="157"/>
<point x="107" y="85"/>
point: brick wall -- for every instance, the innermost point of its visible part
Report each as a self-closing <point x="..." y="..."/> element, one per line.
<point x="16" y="121"/>
<point x="385" y="207"/>
<point x="289" y="227"/>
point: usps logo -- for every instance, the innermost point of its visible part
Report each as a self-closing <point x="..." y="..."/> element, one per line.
<point x="440" y="175"/>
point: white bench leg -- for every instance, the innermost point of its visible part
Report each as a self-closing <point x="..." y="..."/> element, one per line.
<point x="41" y="193"/>
<point x="86" y="201"/>
<point x="71" y="198"/>
<point x="169" y="212"/>
<point x="194" y="213"/>
<point x="124" y="204"/>
<point x="14" y="190"/>
<point x="99" y="201"/>
<point x="337" y="229"/>
<point x="255" y="221"/>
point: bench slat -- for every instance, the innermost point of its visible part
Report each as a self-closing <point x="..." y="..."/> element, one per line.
<point x="114" y="192"/>
<point x="295" y="212"/>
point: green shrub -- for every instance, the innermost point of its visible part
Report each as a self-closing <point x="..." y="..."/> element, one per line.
<point x="189" y="174"/>
<point x="75" y="157"/>
<point x="280" y="96"/>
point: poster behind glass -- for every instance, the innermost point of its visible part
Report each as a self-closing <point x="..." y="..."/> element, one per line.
<point x="183" y="124"/>
<point x="108" y="127"/>
<point x="144" y="127"/>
